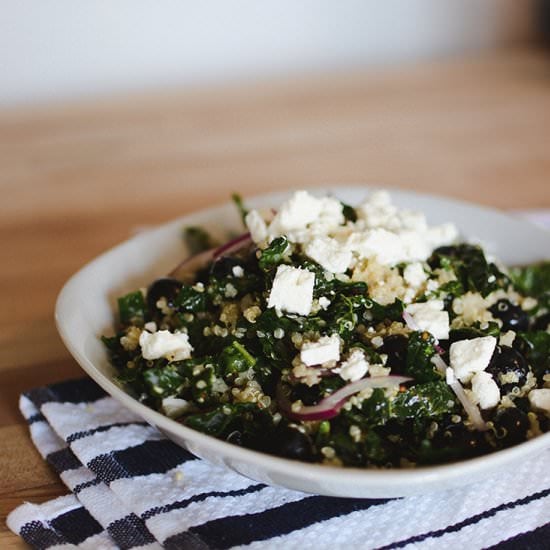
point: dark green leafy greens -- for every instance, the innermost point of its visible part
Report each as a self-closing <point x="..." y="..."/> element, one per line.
<point x="197" y="239"/>
<point x="536" y="348"/>
<point x="420" y="351"/>
<point x="532" y="280"/>
<point x="192" y="300"/>
<point x="274" y="254"/>
<point x="430" y="400"/>
<point x="131" y="308"/>
<point x="238" y="200"/>
<point x="469" y="264"/>
<point x="349" y="212"/>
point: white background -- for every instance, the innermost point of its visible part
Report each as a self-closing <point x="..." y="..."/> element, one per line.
<point x="54" y="50"/>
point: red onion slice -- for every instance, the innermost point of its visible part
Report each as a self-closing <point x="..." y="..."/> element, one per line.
<point x="330" y="406"/>
<point x="186" y="270"/>
<point x="439" y="349"/>
<point x="232" y="246"/>
<point x="471" y="410"/>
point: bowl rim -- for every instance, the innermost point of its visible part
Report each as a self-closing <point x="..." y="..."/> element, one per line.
<point x="391" y="477"/>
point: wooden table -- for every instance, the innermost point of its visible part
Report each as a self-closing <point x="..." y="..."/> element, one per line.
<point x="76" y="180"/>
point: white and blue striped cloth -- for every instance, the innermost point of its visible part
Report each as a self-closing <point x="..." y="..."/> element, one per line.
<point x="132" y="488"/>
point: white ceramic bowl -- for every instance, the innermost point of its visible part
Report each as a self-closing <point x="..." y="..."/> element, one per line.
<point x="86" y="305"/>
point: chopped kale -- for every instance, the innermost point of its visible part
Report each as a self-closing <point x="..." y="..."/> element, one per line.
<point x="447" y="291"/>
<point x="213" y="423"/>
<point x="238" y="201"/>
<point x="190" y="299"/>
<point x="349" y="212"/>
<point x="474" y="331"/>
<point x="343" y="315"/>
<point x="532" y="280"/>
<point x="274" y="254"/>
<point x="131" y="308"/>
<point x="470" y="267"/>
<point x="424" y="400"/>
<point x="377" y="312"/>
<point x="235" y="358"/>
<point x="276" y="351"/>
<point x="163" y="381"/>
<point x="536" y="347"/>
<point x="112" y="343"/>
<point x="240" y="423"/>
<point x="197" y="239"/>
<point x="420" y="350"/>
<point x="375" y="410"/>
<point x="220" y="289"/>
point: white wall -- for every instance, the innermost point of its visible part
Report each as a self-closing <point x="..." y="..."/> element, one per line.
<point x="57" y="49"/>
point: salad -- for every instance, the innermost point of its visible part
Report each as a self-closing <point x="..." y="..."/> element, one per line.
<point x="346" y="335"/>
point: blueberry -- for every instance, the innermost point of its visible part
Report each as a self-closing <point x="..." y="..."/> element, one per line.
<point x="166" y="287"/>
<point x="511" y="426"/>
<point x="400" y="431"/>
<point x="544" y="422"/>
<point x="512" y="316"/>
<point x="457" y="436"/>
<point x="291" y="443"/>
<point x="309" y="395"/>
<point x="463" y="334"/>
<point x="395" y="347"/>
<point x="223" y="267"/>
<point x="235" y="437"/>
<point x="507" y="362"/>
<point x="542" y="322"/>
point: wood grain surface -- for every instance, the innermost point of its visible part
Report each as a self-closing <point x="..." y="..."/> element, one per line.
<point x="77" y="179"/>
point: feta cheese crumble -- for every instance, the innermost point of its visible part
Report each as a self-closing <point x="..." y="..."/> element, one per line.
<point x="429" y="316"/>
<point x="329" y="253"/>
<point x="173" y="346"/>
<point x="237" y="271"/>
<point x="378" y="211"/>
<point x="485" y="389"/>
<point x="257" y="226"/>
<point x="414" y="274"/>
<point x="507" y="338"/>
<point x="382" y="232"/>
<point x="540" y="399"/>
<point x="388" y="247"/>
<point x="292" y="290"/>
<point x="174" y="406"/>
<point x="303" y="216"/>
<point x="355" y="366"/>
<point x="151" y="326"/>
<point x="326" y="349"/>
<point x="470" y="356"/>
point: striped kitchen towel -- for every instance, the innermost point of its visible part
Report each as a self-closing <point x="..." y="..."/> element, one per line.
<point x="132" y="488"/>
